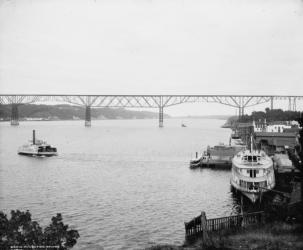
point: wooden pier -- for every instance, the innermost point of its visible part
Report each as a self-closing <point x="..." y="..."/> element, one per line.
<point x="199" y="226"/>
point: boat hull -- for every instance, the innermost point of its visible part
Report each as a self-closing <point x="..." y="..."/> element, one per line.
<point x="46" y="154"/>
<point x="37" y="147"/>
<point x="252" y="196"/>
<point x="195" y="163"/>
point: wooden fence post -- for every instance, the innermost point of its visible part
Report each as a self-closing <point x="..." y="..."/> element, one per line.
<point x="206" y="240"/>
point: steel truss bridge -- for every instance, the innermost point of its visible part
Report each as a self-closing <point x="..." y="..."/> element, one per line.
<point x="142" y="101"/>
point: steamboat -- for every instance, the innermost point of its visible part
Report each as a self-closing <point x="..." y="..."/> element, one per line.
<point x="37" y="148"/>
<point x="252" y="173"/>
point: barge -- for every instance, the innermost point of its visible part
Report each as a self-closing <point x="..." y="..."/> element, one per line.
<point x="218" y="156"/>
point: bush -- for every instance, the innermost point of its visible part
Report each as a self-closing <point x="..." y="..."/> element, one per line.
<point x="20" y="230"/>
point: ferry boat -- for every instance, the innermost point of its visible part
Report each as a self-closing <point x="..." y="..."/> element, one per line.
<point x="37" y="148"/>
<point x="252" y="173"/>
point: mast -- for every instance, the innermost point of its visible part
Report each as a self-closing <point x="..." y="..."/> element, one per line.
<point x="34" y="137"/>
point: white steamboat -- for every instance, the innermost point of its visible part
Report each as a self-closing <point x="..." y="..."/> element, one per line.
<point x="252" y="173"/>
<point x="37" y="148"/>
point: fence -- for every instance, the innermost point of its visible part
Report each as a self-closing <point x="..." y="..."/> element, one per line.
<point x="200" y="224"/>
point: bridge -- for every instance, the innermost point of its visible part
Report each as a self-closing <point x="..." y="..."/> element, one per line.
<point x="141" y="101"/>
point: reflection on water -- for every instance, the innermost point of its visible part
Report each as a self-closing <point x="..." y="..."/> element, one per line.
<point x="120" y="183"/>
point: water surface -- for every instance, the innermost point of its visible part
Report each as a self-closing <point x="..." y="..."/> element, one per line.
<point x="124" y="184"/>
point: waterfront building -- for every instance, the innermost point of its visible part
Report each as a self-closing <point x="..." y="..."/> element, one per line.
<point x="277" y="127"/>
<point x="259" y="126"/>
<point x="275" y="142"/>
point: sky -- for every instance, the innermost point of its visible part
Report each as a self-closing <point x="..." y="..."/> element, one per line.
<point x="152" y="47"/>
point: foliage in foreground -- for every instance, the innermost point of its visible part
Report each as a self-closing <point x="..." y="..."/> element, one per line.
<point x="20" y="230"/>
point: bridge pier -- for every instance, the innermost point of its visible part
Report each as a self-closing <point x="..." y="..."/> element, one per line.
<point x="294" y="104"/>
<point x="289" y="103"/>
<point x="15" y="115"/>
<point x="241" y="112"/>
<point x="161" y="117"/>
<point x="87" y="116"/>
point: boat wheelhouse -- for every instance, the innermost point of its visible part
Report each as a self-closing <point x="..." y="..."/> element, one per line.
<point x="252" y="173"/>
<point x="37" y="148"/>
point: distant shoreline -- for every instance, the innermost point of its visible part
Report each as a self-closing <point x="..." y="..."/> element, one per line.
<point x="147" y="118"/>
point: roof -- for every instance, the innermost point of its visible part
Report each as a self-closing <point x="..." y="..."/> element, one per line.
<point x="275" y="134"/>
<point x="279" y="123"/>
<point x="244" y="124"/>
<point x="292" y="130"/>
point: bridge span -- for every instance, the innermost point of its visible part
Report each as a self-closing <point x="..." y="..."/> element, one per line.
<point x="141" y="101"/>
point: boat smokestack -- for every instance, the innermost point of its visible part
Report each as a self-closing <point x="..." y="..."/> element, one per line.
<point x="196" y="154"/>
<point x="34" y="137"/>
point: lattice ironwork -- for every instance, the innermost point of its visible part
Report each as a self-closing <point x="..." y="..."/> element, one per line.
<point x="143" y="101"/>
<point x="148" y="101"/>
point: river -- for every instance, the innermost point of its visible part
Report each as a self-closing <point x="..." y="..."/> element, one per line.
<point x="123" y="184"/>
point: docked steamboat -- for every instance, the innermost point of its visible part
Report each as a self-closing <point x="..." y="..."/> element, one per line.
<point x="252" y="173"/>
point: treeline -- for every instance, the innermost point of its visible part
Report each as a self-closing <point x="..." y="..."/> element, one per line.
<point x="271" y="115"/>
<point x="69" y="112"/>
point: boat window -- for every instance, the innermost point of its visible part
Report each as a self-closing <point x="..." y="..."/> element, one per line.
<point x="245" y="158"/>
<point x="252" y="173"/>
<point x="252" y="158"/>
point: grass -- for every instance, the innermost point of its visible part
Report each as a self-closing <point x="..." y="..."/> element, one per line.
<point x="273" y="236"/>
<point x="277" y="235"/>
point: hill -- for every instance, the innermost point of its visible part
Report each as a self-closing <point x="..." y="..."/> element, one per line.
<point x="69" y="112"/>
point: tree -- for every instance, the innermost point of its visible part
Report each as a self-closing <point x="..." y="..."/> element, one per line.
<point x="300" y="154"/>
<point x="20" y="230"/>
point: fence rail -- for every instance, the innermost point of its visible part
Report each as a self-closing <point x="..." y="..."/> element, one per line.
<point x="196" y="226"/>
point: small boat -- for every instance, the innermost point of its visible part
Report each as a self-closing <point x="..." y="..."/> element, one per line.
<point x="236" y="141"/>
<point x="252" y="173"/>
<point x="196" y="162"/>
<point x="37" y="148"/>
